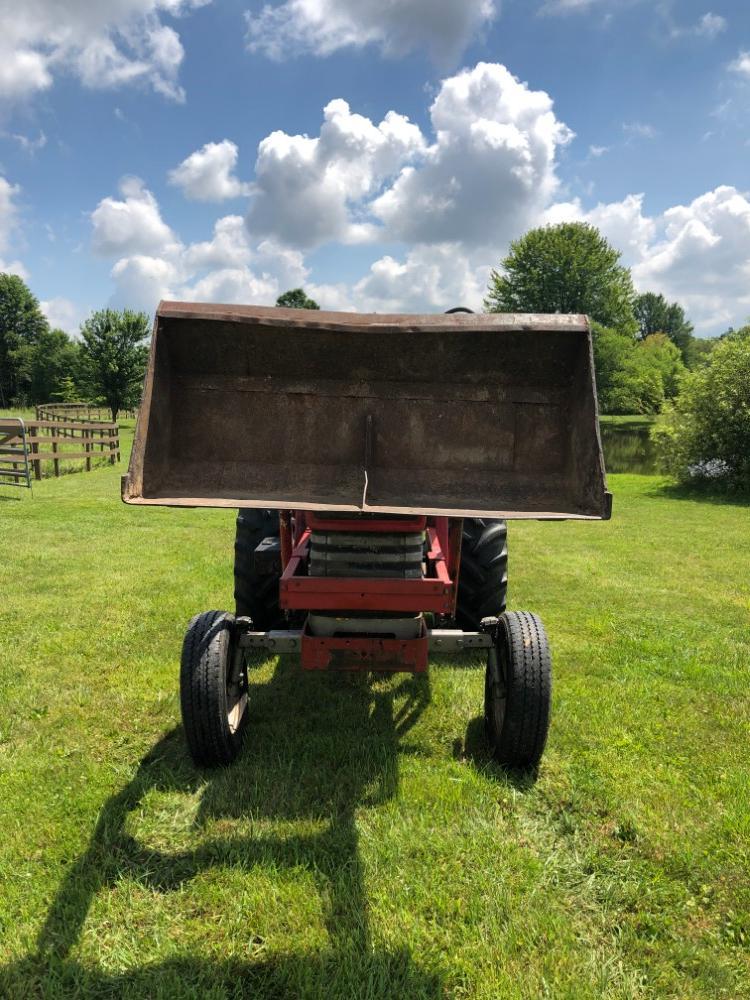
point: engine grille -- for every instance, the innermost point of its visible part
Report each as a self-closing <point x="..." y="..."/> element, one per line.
<point x="344" y="553"/>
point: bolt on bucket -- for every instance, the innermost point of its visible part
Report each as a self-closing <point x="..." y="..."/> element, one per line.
<point x="463" y="415"/>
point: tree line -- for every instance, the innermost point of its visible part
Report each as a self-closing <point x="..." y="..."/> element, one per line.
<point x="646" y="357"/>
<point x="643" y="344"/>
<point x="39" y="364"/>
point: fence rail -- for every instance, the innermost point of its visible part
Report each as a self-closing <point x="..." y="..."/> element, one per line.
<point x="77" y="411"/>
<point x="51" y="441"/>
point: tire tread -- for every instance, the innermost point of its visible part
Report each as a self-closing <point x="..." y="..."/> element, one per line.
<point x="256" y="595"/>
<point x="205" y="658"/>
<point x="483" y="573"/>
<point x="528" y="690"/>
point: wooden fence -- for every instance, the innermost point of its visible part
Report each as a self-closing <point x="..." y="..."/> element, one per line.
<point x="77" y="411"/>
<point x="56" y="442"/>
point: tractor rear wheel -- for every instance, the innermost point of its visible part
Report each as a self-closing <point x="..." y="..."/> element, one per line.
<point x="256" y="594"/>
<point x="517" y="691"/>
<point x="213" y="690"/>
<point x="483" y="573"/>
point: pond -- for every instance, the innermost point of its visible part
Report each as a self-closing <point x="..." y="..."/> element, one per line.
<point x="628" y="448"/>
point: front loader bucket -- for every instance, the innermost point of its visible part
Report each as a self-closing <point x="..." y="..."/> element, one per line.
<point x="450" y="414"/>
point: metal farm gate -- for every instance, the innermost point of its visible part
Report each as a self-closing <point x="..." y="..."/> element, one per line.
<point x="15" y="468"/>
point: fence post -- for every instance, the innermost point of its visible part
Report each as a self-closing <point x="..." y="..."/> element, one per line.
<point x="55" y="460"/>
<point x="87" y="438"/>
<point x="34" y="432"/>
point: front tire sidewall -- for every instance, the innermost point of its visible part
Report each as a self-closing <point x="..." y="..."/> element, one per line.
<point x="213" y="697"/>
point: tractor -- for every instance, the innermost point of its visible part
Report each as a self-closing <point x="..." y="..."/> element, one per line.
<point x="375" y="461"/>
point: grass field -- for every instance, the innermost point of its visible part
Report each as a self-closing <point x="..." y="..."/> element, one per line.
<point x="363" y="846"/>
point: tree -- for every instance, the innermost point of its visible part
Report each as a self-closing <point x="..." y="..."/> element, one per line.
<point x="637" y="388"/>
<point x="665" y="355"/>
<point x="705" y="434"/>
<point x="296" y="298"/>
<point x="634" y="377"/>
<point x="611" y="353"/>
<point x="21" y="323"/>
<point x="655" y="315"/>
<point x="700" y="350"/>
<point x="53" y="364"/>
<point x="113" y="357"/>
<point x="568" y="268"/>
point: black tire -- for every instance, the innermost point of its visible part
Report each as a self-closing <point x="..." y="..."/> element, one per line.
<point x="517" y="691"/>
<point x="483" y="572"/>
<point x="213" y="690"/>
<point x="256" y="595"/>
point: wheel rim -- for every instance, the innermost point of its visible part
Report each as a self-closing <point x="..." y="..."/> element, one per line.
<point x="236" y="692"/>
<point x="496" y="693"/>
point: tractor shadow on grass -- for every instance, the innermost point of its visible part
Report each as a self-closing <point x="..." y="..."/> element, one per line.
<point x="318" y="748"/>
<point x="475" y="749"/>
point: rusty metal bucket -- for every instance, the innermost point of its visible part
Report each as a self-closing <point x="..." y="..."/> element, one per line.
<point x="249" y="406"/>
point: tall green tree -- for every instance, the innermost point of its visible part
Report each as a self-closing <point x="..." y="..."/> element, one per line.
<point x="296" y="298"/>
<point x="655" y="315"/>
<point x="114" y="356"/>
<point x="568" y="268"/>
<point x="21" y="324"/>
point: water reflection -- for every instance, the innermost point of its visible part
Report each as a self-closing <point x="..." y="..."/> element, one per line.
<point x="628" y="448"/>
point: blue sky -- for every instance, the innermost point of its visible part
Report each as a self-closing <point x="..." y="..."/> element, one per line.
<point x="383" y="155"/>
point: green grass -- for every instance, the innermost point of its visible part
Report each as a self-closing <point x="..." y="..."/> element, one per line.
<point x="363" y="845"/>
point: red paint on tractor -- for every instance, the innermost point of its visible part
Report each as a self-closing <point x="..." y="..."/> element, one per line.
<point x="435" y="591"/>
<point x="365" y="653"/>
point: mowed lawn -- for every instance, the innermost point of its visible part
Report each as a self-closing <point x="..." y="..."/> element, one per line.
<point x="363" y="845"/>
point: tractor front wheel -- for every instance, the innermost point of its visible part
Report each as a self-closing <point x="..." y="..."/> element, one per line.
<point x="213" y="690"/>
<point x="517" y="691"/>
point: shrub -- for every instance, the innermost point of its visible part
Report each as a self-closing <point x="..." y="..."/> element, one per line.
<point x="705" y="433"/>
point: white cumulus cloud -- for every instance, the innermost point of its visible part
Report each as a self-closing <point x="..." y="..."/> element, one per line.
<point x="696" y="254"/>
<point x="324" y="26"/>
<point x="701" y="258"/>
<point x="131" y="224"/>
<point x="486" y="176"/>
<point x="306" y="189"/>
<point x="429" y="279"/>
<point x="491" y="169"/>
<point x="62" y="314"/>
<point x="142" y="280"/>
<point x="208" y="173"/>
<point x="109" y="43"/>
<point x="153" y="263"/>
